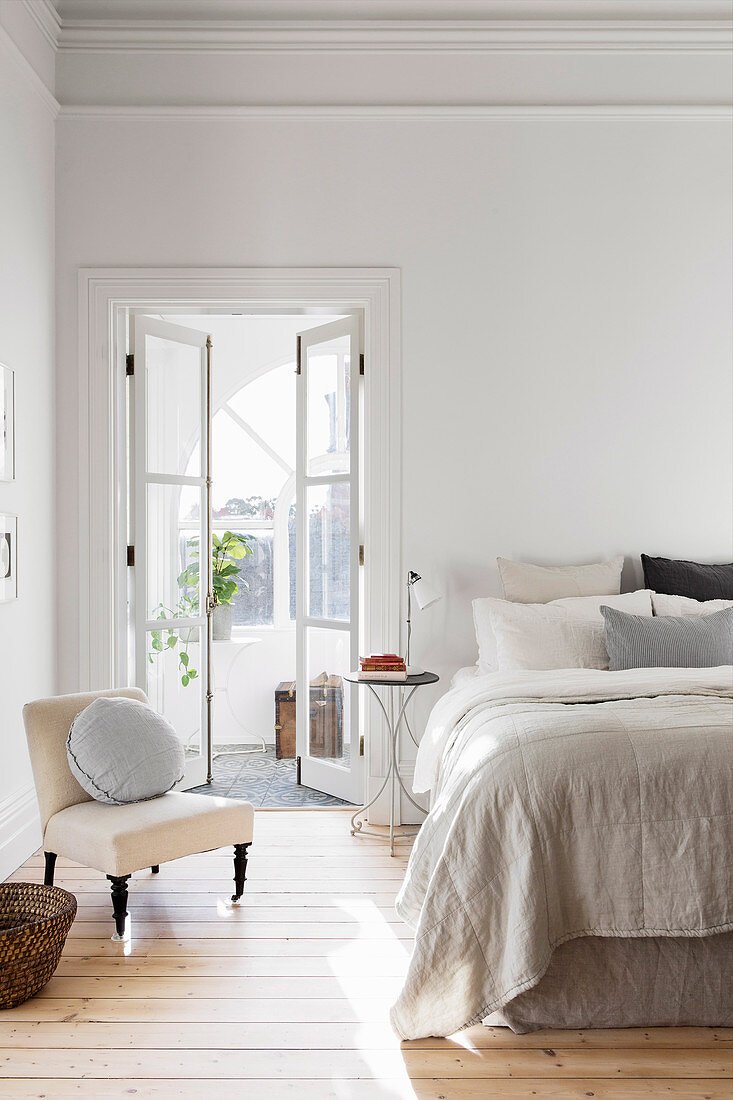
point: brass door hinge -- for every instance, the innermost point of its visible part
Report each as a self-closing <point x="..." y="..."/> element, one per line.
<point x="361" y="744"/>
<point x="361" y="554"/>
<point x="130" y="555"/>
<point x="129" y="365"/>
<point x="361" y="363"/>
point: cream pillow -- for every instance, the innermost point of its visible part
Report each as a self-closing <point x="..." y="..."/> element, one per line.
<point x="566" y="633"/>
<point x="683" y="605"/>
<point x="523" y="583"/>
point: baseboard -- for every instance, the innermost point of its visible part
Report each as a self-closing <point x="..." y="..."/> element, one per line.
<point x="20" y="829"/>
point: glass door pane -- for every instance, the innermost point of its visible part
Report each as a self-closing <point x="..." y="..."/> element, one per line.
<point x="327" y="482"/>
<point x="173" y="686"/>
<point x="171" y="530"/>
<point x="328" y="729"/>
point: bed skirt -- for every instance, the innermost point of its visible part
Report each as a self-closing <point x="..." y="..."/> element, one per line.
<point x="599" y="981"/>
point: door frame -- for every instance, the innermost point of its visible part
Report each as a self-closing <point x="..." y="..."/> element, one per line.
<point x="105" y="295"/>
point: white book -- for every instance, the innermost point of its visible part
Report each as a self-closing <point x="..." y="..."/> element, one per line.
<point x="383" y="676"/>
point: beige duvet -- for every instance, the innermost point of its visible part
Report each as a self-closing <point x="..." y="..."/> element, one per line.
<point x="566" y="804"/>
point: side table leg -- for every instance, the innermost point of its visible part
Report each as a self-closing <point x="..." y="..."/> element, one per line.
<point x="358" y="828"/>
<point x="391" y="736"/>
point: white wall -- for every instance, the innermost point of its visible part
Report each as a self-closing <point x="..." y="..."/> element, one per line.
<point x="566" y="337"/>
<point x="27" y="625"/>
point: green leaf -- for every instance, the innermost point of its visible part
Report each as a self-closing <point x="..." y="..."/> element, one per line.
<point x="229" y="570"/>
<point x="157" y="644"/>
<point x="172" y="640"/>
<point x="192" y="673"/>
<point x="185" y="679"/>
<point x="183" y="659"/>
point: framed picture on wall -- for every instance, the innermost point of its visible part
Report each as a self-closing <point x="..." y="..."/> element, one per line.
<point x="7" y="423"/>
<point x="8" y="557"/>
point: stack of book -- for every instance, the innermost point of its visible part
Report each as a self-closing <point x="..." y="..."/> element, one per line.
<point x="382" y="666"/>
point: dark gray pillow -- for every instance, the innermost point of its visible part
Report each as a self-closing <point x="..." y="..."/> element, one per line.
<point x="688" y="578"/>
<point x="668" y="641"/>
<point x="123" y="751"/>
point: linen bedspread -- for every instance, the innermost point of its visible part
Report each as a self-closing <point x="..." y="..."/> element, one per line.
<point x="566" y="803"/>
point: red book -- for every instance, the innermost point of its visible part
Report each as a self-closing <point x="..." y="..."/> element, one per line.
<point x="383" y="668"/>
<point x="375" y="667"/>
<point x="383" y="660"/>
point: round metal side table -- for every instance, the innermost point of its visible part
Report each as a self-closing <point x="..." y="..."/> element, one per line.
<point x="412" y="683"/>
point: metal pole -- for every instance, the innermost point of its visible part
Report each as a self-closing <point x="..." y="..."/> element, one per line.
<point x="209" y="576"/>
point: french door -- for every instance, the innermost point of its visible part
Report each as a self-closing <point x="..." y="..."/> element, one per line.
<point x="327" y="557"/>
<point x="170" y="507"/>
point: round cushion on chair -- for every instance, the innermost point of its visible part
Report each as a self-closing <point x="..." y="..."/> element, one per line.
<point x="123" y="751"/>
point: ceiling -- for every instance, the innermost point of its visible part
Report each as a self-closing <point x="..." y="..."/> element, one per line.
<point x="212" y="11"/>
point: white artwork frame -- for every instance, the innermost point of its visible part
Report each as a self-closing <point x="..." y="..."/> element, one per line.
<point x="8" y="557"/>
<point x="7" y="423"/>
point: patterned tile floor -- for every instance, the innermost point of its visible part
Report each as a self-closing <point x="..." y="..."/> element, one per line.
<point x="263" y="781"/>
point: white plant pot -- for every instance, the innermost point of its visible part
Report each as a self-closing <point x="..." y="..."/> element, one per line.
<point x="222" y="622"/>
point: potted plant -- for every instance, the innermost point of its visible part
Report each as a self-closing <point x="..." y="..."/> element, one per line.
<point x="226" y="551"/>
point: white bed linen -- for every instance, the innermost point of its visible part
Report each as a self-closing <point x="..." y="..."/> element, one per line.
<point x="565" y="804"/>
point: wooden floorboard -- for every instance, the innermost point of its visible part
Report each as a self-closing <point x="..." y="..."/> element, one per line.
<point x="290" y="993"/>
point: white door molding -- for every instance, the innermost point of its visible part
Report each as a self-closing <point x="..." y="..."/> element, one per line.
<point x="105" y="297"/>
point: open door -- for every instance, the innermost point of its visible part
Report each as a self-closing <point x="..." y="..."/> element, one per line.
<point x="171" y="513"/>
<point x="327" y="553"/>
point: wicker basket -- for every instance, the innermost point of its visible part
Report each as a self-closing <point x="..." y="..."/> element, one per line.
<point x="34" y="923"/>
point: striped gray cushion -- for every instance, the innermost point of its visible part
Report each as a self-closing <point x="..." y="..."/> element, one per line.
<point x="122" y="751"/>
<point x="668" y="641"/>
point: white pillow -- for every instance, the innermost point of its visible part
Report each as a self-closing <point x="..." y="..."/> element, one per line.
<point x="123" y="751"/>
<point x="525" y="583"/>
<point x="683" y="605"/>
<point x="567" y="633"/>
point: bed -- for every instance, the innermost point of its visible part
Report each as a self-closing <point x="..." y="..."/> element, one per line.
<point x="575" y="869"/>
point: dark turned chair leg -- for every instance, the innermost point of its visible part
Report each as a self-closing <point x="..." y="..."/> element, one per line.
<point x="119" y="901"/>
<point x="50" y="868"/>
<point x="155" y="868"/>
<point x="240" y="870"/>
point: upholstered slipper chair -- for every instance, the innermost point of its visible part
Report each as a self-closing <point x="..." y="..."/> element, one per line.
<point x="119" y="840"/>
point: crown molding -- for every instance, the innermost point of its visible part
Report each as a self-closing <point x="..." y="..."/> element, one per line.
<point x="386" y="10"/>
<point x="28" y="73"/>
<point x="47" y="19"/>
<point x="413" y="36"/>
<point x="436" y="112"/>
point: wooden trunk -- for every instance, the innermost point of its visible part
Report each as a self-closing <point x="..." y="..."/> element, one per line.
<point x="326" y="717"/>
<point x="285" y="720"/>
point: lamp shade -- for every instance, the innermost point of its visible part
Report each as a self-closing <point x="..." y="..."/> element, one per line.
<point x="423" y="594"/>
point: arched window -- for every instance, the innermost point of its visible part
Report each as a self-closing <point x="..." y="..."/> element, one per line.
<point x="253" y="445"/>
<point x="253" y="467"/>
